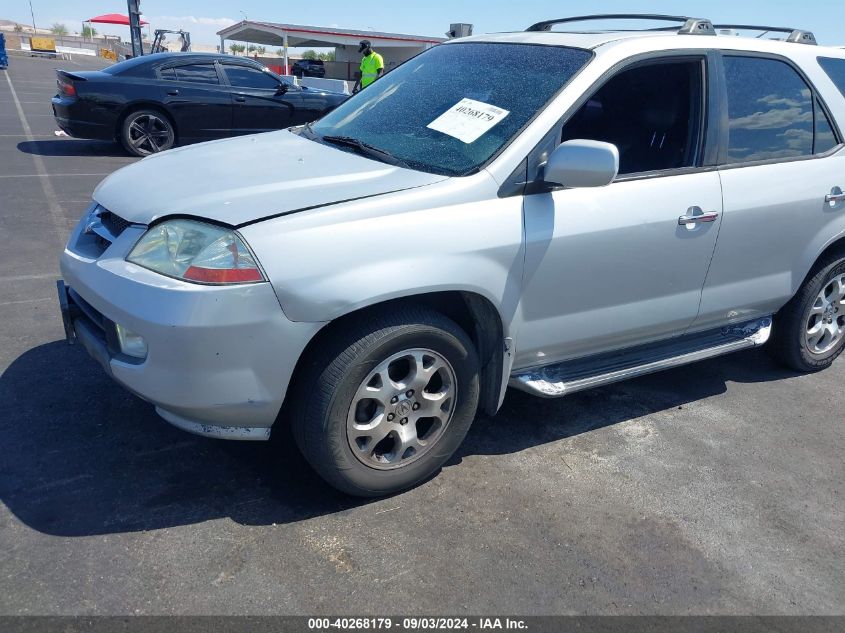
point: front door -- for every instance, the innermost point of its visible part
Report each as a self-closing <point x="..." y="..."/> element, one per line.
<point x="611" y="267"/>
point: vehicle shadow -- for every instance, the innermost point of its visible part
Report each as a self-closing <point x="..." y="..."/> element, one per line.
<point x="73" y="147"/>
<point x="81" y="456"/>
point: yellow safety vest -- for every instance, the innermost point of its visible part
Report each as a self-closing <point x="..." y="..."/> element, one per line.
<point x="370" y="65"/>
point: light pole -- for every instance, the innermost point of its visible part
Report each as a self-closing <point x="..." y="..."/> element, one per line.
<point x="32" y="13"/>
<point x="246" y="47"/>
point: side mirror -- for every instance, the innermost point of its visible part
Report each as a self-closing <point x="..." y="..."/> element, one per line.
<point x="582" y="163"/>
<point x="282" y="89"/>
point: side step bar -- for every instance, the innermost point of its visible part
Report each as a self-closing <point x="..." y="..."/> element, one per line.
<point x="560" y="379"/>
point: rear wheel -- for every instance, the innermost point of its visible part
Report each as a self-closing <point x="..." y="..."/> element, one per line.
<point x="809" y="331"/>
<point x="387" y="402"/>
<point x="146" y="132"/>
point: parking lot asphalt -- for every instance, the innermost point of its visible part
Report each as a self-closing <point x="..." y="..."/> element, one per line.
<point x="715" y="488"/>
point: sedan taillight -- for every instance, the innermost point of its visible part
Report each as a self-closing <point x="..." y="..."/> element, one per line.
<point x="66" y="88"/>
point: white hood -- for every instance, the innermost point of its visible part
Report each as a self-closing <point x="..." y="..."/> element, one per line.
<point x="240" y="180"/>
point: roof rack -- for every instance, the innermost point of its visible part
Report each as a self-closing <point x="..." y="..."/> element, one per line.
<point x="688" y="25"/>
<point x="795" y="35"/>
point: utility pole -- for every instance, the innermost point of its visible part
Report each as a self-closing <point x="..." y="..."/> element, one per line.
<point x="134" y="7"/>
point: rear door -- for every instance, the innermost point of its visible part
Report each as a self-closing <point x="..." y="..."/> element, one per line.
<point x="782" y="156"/>
<point x="259" y="104"/>
<point x="201" y="107"/>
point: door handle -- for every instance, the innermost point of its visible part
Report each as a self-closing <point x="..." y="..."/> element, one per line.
<point x="710" y="216"/>
<point x="240" y="98"/>
<point x="835" y="195"/>
<point x="173" y="92"/>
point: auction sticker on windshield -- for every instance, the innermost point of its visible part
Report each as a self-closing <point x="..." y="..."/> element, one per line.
<point x="468" y="120"/>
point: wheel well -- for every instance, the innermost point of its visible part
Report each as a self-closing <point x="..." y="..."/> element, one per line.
<point x="475" y="314"/>
<point x="144" y="105"/>
<point x="835" y="249"/>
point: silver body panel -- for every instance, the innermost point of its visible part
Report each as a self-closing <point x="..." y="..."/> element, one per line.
<point x="572" y="273"/>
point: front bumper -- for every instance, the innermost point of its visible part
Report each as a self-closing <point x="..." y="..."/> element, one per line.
<point x="219" y="357"/>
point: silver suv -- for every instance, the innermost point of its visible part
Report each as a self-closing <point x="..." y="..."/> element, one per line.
<point x="561" y="210"/>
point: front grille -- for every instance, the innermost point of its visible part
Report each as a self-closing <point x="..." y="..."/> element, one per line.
<point x="114" y="223"/>
<point x="100" y="229"/>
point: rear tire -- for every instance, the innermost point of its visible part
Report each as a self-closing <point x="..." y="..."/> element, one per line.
<point x="809" y="331"/>
<point x="146" y="132"/>
<point x="386" y="401"/>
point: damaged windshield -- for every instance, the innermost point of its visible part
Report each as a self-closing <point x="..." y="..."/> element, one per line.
<point x="452" y="108"/>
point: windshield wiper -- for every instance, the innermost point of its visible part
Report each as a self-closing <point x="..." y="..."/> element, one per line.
<point x="366" y="149"/>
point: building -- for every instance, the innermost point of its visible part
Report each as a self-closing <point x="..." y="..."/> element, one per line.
<point x="395" y="48"/>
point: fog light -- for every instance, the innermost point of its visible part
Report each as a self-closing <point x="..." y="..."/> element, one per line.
<point x="131" y="343"/>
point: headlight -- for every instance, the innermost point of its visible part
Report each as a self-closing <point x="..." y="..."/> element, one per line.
<point x="196" y="251"/>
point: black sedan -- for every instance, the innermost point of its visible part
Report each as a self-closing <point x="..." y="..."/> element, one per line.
<point x="153" y="102"/>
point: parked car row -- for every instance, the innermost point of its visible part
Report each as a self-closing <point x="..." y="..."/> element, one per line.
<point x="154" y="102"/>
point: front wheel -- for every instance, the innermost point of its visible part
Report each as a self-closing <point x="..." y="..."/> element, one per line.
<point x="809" y="331"/>
<point x="387" y="402"/>
<point x="146" y="132"/>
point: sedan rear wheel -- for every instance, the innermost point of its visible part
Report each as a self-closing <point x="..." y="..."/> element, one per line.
<point x="147" y="132"/>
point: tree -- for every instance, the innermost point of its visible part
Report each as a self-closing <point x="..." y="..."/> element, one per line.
<point x="88" y="31"/>
<point x="309" y="54"/>
<point x="328" y="57"/>
<point x="18" y="28"/>
<point x="58" y="29"/>
<point x="236" y="48"/>
<point x="280" y="52"/>
<point x="261" y="50"/>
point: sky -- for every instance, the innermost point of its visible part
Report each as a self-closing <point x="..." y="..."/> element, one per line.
<point x="203" y="18"/>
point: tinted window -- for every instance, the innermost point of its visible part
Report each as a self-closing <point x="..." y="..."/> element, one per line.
<point x="412" y="111"/>
<point x="653" y="128"/>
<point x="168" y="73"/>
<point x="770" y="109"/>
<point x="197" y="73"/>
<point x="245" y="77"/>
<point x="825" y="139"/>
<point x="835" y="69"/>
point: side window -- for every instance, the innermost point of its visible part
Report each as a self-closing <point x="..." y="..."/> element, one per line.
<point x="197" y="73"/>
<point x="835" y="69"/>
<point x="245" y="77"/>
<point x="825" y="138"/>
<point x="655" y="127"/>
<point x="772" y="112"/>
<point x="168" y="73"/>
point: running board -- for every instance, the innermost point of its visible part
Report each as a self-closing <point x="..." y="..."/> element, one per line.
<point x="554" y="381"/>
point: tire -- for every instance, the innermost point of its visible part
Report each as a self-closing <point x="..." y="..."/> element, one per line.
<point x="818" y="306"/>
<point x="334" y="403"/>
<point x="147" y="131"/>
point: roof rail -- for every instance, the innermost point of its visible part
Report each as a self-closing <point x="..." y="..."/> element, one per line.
<point x="795" y="35"/>
<point x="688" y="26"/>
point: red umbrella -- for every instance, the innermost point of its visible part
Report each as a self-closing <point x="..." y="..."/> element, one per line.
<point x="113" y="18"/>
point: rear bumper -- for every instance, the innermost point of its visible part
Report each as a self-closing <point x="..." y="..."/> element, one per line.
<point x="219" y="357"/>
<point x="75" y="123"/>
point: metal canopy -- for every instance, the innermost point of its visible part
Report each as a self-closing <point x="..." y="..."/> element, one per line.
<point x="274" y="34"/>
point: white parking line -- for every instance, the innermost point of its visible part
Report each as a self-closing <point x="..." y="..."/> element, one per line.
<point x="56" y="212"/>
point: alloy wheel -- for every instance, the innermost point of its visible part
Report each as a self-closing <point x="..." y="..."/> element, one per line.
<point x="402" y="409"/>
<point x="826" y="323"/>
<point x="149" y="134"/>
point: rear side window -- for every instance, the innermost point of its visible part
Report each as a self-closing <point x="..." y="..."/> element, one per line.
<point x="245" y="77"/>
<point x="197" y="73"/>
<point x="835" y="69"/>
<point x="773" y="113"/>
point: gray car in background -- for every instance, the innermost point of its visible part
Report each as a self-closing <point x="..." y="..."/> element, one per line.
<point x="559" y="211"/>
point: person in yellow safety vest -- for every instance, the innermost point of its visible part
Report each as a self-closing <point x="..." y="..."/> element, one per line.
<point x="372" y="66"/>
